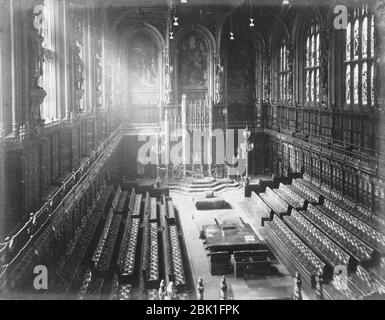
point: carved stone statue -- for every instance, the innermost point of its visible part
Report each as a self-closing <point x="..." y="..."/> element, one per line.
<point x="37" y="93"/>
<point x="168" y="85"/>
<point x="219" y="84"/>
<point x="99" y="76"/>
<point x="290" y="62"/>
<point x="78" y="66"/>
<point x="78" y="63"/>
<point x="37" y="55"/>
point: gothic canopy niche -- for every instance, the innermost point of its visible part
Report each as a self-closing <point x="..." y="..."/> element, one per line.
<point x="194" y="62"/>
<point x="144" y="65"/>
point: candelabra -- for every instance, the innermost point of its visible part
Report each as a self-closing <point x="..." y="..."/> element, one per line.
<point x="246" y="148"/>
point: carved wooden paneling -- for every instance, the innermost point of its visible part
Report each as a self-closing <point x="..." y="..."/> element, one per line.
<point x="31" y="173"/>
<point x="46" y="167"/>
<point x="66" y="152"/>
<point x="75" y="147"/>
<point x="56" y="155"/>
<point x="365" y="190"/>
<point x="89" y="125"/>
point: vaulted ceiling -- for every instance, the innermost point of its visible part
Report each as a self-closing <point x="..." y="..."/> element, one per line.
<point x="210" y="13"/>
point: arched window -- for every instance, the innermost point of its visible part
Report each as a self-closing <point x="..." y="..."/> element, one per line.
<point x="283" y="71"/>
<point x="49" y="108"/>
<point x="359" y="58"/>
<point x="312" y="61"/>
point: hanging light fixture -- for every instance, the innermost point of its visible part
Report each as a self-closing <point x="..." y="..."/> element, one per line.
<point x="251" y="19"/>
<point x="231" y="36"/>
<point x="171" y="35"/>
<point x="176" y="23"/>
<point x="231" y="29"/>
<point x="286" y="3"/>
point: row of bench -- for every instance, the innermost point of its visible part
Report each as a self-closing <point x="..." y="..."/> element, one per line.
<point x="277" y="204"/>
<point x="150" y="251"/>
<point x="371" y="236"/>
<point x="325" y="227"/>
<point x="173" y="261"/>
<point x="129" y="242"/>
<point x="326" y="248"/>
<point x="295" y="248"/>
<point x="294" y="200"/>
<point x="353" y="245"/>
<point x="364" y="214"/>
<point x="82" y="241"/>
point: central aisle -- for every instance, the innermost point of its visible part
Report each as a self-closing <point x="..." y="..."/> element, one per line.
<point x="279" y="285"/>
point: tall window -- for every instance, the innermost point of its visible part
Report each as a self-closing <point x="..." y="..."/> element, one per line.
<point x="312" y="62"/>
<point x="49" y="108"/>
<point x="359" y="58"/>
<point x="283" y="72"/>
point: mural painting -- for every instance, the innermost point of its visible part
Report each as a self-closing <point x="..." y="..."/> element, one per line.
<point x="240" y="66"/>
<point x="144" y="62"/>
<point x="193" y="56"/>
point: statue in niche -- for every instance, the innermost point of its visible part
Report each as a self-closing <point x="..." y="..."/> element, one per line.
<point x="118" y="81"/>
<point x="37" y="58"/>
<point x="77" y="52"/>
<point x="266" y="80"/>
<point x="168" y="85"/>
<point x="290" y="55"/>
<point x="144" y="63"/>
<point x="37" y="93"/>
<point x="78" y="66"/>
<point x="99" y="77"/>
<point x="193" y="57"/>
<point x="219" y="84"/>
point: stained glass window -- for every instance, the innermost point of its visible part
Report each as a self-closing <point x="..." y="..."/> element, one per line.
<point x="359" y="58"/>
<point x="283" y="72"/>
<point x="348" y="80"/>
<point x="312" y="64"/>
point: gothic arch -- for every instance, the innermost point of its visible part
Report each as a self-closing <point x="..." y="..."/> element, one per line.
<point x="146" y="28"/>
<point x="280" y="34"/>
<point x="209" y="40"/>
<point x="298" y="39"/>
<point x="202" y="31"/>
<point x="155" y="35"/>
